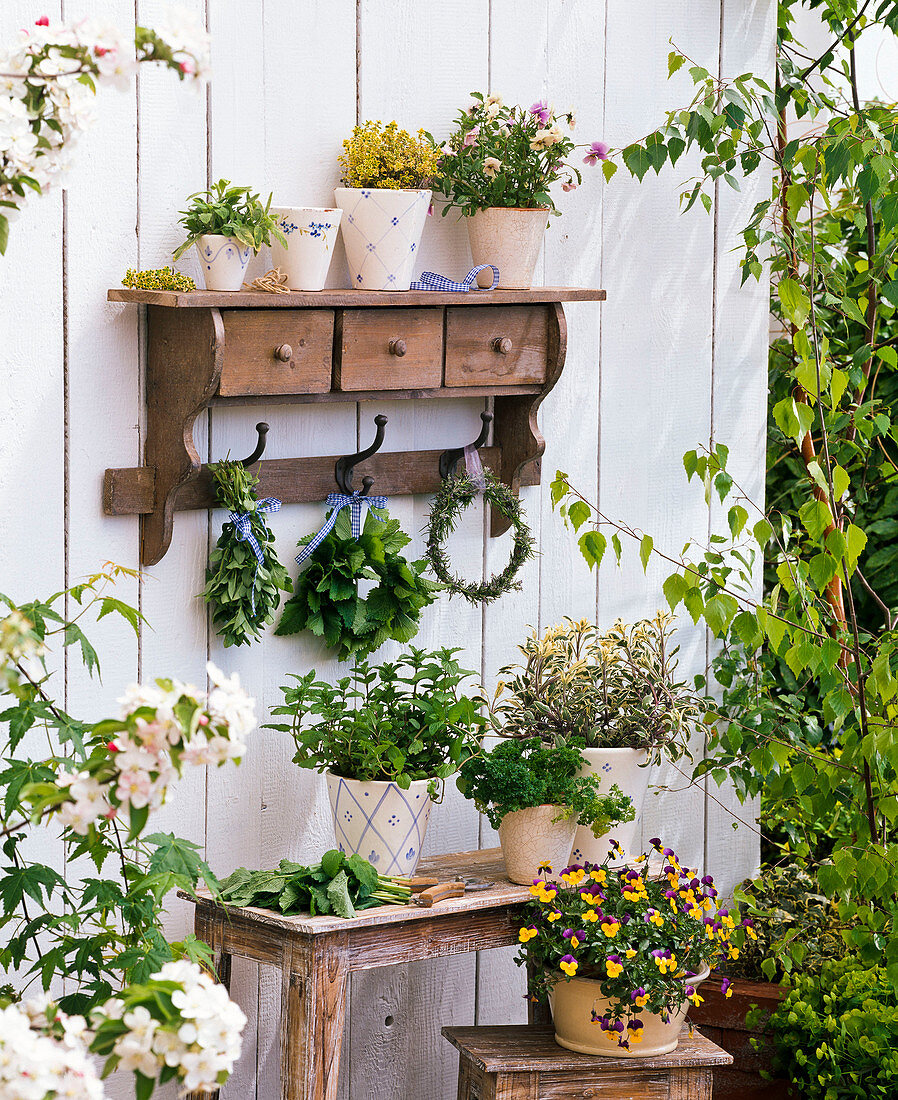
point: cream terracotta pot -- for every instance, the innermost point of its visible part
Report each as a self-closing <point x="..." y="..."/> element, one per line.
<point x="382" y="232"/>
<point x="224" y="261"/>
<point x="509" y="239"/>
<point x="530" y="837"/>
<point x="573" y="1003"/>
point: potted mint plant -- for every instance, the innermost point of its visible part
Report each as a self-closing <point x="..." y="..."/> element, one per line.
<point x="228" y="225"/>
<point x="536" y="796"/>
<point x="385" y="737"/>
<point x="497" y="168"/>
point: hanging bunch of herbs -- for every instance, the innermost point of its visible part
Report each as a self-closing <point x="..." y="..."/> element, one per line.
<point x="327" y="599"/>
<point x="244" y="579"/>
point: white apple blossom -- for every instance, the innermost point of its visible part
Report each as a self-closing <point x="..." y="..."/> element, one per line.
<point x="35" y="1066"/>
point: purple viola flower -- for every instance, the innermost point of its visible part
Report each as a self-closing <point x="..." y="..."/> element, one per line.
<point x="669" y="852"/>
<point x="626" y="918"/>
<point x="640" y="992"/>
<point x="707" y="881"/>
<point x="670" y="893"/>
<point x="655" y="842"/>
<point x="596" y="152"/>
<point x="540" y="110"/>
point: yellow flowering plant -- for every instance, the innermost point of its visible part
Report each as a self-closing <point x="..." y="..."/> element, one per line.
<point x="642" y="936"/>
<point x="385" y="156"/>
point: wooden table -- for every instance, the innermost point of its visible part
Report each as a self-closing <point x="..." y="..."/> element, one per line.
<point x="520" y="1062"/>
<point x="317" y="954"/>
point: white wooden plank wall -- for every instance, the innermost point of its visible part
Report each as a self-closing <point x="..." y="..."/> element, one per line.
<point x="676" y="355"/>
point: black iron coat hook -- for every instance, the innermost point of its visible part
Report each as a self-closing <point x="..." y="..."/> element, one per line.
<point x="262" y="432"/>
<point x="343" y="468"/>
<point x="449" y="459"/>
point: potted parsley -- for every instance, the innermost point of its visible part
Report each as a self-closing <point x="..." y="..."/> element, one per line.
<point x="536" y="797"/>
<point x="228" y="224"/>
<point x="385" y="737"/>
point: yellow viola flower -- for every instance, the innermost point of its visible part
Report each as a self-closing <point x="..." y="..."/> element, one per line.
<point x="597" y="874"/>
<point x="590" y="915"/>
<point x="574" y="878"/>
<point x="553" y="916"/>
<point x="630" y="953"/>
<point x="525" y="934"/>
<point x="569" y="965"/>
<point x="613" y="966"/>
<point x="610" y="927"/>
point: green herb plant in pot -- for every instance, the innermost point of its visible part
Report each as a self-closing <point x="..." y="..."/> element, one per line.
<point x="386" y="738"/>
<point x="613" y="695"/>
<point x="620" y="954"/>
<point x="228" y="225"/>
<point x="535" y="795"/>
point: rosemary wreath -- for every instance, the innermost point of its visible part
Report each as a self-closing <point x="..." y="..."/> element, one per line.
<point x="454" y="495"/>
<point x="327" y="600"/>
<point x="243" y="591"/>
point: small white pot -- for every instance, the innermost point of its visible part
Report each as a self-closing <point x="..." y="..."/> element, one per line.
<point x="382" y="233"/>
<point x="510" y="240"/>
<point x="620" y="766"/>
<point x="224" y="261"/>
<point x="380" y="821"/>
<point x="573" y="1003"/>
<point x="530" y="837"/>
<point x="311" y="233"/>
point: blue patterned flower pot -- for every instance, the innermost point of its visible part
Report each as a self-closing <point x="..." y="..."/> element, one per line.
<point x="620" y="766"/>
<point x="224" y="261"/>
<point x="382" y="233"/>
<point x="380" y="821"/>
<point x="311" y="234"/>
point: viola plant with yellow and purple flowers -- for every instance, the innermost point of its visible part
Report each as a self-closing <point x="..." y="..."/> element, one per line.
<point x="641" y="936"/>
<point x="500" y="155"/>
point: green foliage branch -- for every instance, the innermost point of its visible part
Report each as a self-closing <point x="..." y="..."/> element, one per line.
<point x="835" y="305"/>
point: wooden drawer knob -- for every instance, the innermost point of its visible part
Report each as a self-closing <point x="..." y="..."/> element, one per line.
<point x="502" y="344"/>
<point x="284" y="353"/>
<point x="398" y="347"/>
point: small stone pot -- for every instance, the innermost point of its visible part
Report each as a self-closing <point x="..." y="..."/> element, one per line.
<point x="382" y="232"/>
<point x="620" y="766"/>
<point x="530" y="837"/>
<point x="380" y="821"/>
<point x="311" y="233"/>
<point x="224" y="261"/>
<point x="510" y="240"/>
<point x="573" y="1003"/>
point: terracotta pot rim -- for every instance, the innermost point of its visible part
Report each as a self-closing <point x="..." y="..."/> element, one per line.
<point x="390" y="190"/>
<point x="511" y="209"/>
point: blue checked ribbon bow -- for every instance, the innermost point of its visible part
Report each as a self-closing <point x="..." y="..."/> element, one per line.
<point x="243" y="526"/>
<point x="431" y="281"/>
<point x="337" y="502"/>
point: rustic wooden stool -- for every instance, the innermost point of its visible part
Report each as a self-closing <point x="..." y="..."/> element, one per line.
<point x="522" y="1062"/>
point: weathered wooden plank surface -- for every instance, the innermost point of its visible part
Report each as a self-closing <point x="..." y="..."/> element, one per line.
<point x="243" y="299"/>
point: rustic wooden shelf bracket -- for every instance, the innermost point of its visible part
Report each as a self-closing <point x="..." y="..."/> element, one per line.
<point x="206" y="349"/>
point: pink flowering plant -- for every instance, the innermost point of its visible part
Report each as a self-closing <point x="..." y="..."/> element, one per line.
<point x="510" y="156"/>
<point x="641" y="936"/>
<point x="48" y="83"/>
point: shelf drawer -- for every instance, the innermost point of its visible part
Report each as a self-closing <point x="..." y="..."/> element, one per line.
<point x="270" y="351"/>
<point x="389" y="349"/>
<point x="496" y="345"/>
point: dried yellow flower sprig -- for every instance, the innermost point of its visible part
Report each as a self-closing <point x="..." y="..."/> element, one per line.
<point x="159" y="278"/>
<point x="385" y="156"/>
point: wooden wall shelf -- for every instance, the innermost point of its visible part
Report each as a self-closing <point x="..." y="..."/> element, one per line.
<point x="207" y="348"/>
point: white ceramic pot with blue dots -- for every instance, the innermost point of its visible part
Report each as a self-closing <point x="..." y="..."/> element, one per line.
<point x="623" y="767"/>
<point x="224" y="261"/>
<point x="311" y="233"/>
<point x="382" y="232"/>
<point x="380" y="821"/>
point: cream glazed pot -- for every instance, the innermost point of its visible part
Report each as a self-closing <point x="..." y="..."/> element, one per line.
<point x="380" y="821"/>
<point x="530" y="837"/>
<point x="382" y="232"/>
<point x="509" y="239"/>
<point x="620" y="766"/>
<point x="224" y="261"/>
<point x="311" y="233"/>
<point x="573" y="1003"/>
